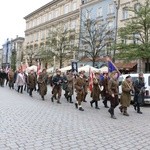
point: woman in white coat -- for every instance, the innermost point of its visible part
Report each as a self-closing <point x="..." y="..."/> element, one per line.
<point x="20" y="81"/>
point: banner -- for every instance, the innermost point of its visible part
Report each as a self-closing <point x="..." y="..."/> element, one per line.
<point x="74" y="66"/>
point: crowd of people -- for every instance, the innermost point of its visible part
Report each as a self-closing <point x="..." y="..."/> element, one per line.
<point x="105" y="87"/>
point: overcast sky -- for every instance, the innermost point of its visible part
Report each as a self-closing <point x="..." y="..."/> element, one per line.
<point x="12" y="13"/>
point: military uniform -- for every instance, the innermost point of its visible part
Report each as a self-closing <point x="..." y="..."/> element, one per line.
<point x="80" y="84"/>
<point x="11" y="79"/>
<point x="96" y="91"/>
<point x="42" y="81"/>
<point x="125" y="99"/>
<point x="31" y="82"/>
<point x="70" y="82"/>
<point x="113" y="90"/>
<point x="57" y="82"/>
<point x="104" y="93"/>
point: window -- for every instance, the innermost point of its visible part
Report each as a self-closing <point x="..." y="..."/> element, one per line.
<point x="110" y="8"/>
<point x="137" y="7"/>
<point x="66" y="9"/>
<point x="37" y="36"/>
<point x="73" y="24"/>
<point x="56" y="13"/>
<point x="99" y="12"/>
<point x="124" y="13"/>
<point x="110" y="25"/>
<point x="74" y="6"/>
<point x="50" y="16"/>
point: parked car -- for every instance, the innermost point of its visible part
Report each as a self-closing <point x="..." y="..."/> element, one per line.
<point x="134" y="78"/>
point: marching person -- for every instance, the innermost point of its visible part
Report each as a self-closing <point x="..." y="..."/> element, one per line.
<point x="80" y="90"/>
<point x="20" y="81"/>
<point x="125" y="99"/>
<point x="139" y="88"/>
<point x="104" y="92"/>
<point x="11" y="78"/>
<point x="42" y="81"/>
<point x="31" y="82"/>
<point x="57" y="82"/>
<point x="70" y="82"/>
<point x="96" y="91"/>
<point x="113" y="90"/>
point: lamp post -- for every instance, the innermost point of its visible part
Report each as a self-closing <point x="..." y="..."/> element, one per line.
<point x="117" y="4"/>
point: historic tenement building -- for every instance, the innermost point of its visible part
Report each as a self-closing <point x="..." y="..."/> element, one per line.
<point x="46" y="18"/>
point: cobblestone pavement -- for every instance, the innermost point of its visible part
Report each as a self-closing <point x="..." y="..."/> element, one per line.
<point x="32" y="124"/>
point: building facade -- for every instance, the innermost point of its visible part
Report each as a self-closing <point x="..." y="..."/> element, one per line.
<point x="17" y="52"/>
<point x="45" y="19"/>
<point x="6" y="56"/>
<point x="1" y="54"/>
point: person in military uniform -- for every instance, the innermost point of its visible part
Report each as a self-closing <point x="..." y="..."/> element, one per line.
<point x="80" y="84"/>
<point x="139" y="88"/>
<point x="86" y="86"/>
<point x="31" y="82"/>
<point x="57" y="89"/>
<point x="104" y="93"/>
<point x="70" y="87"/>
<point x="125" y="99"/>
<point x="42" y="81"/>
<point x="11" y="78"/>
<point x="96" y="91"/>
<point x="113" y="90"/>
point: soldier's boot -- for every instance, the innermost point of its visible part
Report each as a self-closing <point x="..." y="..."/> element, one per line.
<point x="138" y="109"/>
<point x="42" y="98"/>
<point x="105" y="103"/>
<point x="96" y="105"/>
<point x="52" y="99"/>
<point x="76" y="105"/>
<point x="121" y="109"/>
<point x="58" y="101"/>
<point x="125" y="111"/>
<point x="134" y="105"/>
<point x="70" y="97"/>
<point x="80" y="108"/>
<point x="111" y="111"/>
<point x="91" y="102"/>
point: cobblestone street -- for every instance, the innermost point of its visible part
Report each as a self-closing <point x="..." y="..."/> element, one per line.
<point x="32" y="124"/>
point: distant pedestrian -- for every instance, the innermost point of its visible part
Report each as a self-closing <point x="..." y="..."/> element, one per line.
<point x="11" y="78"/>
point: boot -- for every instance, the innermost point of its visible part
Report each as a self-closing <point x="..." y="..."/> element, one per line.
<point x="138" y="109"/>
<point x="105" y="104"/>
<point x="91" y="102"/>
<point x="42" y="98"/>
<point x="70" y="97"/>
<point x="121" y="109"/>
<point x="76" y="105"/>
<point x="58" y="101"/>
<point x="134" y="105"/>
<point x="125" y="112"/>
<point x="96" y="105"/>
<point x="81" y="109"/>
<point x="52" y="99"/>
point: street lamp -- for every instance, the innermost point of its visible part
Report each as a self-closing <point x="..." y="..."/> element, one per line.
<point x="117" y="5"/>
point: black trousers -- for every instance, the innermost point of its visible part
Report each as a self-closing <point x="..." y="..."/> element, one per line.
<point x="114" y="102"/>
<point x="30" y="91"/>
<point x="20" y="87"/>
